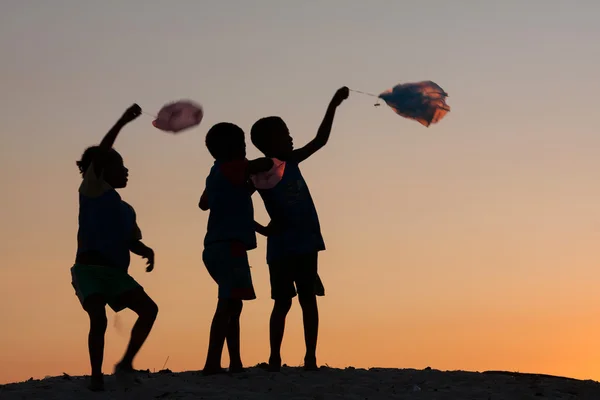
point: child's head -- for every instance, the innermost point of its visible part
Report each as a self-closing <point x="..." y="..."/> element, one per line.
<point x="225" y="142"/>
<point x="271" y="136"/>
<point x="113" y="170"/>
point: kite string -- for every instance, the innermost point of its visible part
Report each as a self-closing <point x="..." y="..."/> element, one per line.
<point x="352" y="90"/>
<point x="367" y="94"/>
<point x="149" y="114"/>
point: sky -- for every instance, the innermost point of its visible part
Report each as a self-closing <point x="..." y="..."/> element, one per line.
<point x="471" y="244"/>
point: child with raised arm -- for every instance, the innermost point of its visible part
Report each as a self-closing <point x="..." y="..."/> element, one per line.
<point x="230" y="235"/>
<point x="294" y="234"/>
<point x="107" y="233"/>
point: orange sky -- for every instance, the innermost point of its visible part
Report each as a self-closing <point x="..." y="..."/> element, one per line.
<point x="469" y="245"/>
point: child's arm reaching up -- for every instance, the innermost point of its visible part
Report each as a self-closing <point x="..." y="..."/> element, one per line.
<point x="324" y="131"/>
<point x="129" y="115"/>
<point x="109" y="139"/>
<point x="93" y="184"/>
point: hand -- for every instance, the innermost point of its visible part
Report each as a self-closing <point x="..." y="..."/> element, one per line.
<point x="273" y="228"/>
<point x="268" y="230"/>
<point x="148" y="254"/>
<point x="339" y="96"/>
<point x="131" y="113"/>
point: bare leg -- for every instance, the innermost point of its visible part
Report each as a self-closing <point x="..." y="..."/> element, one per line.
<point x="233" y="336"/>
<point x="95" y="306"/>
<point x="139" y="302"/>
<point x="218" y="333"/>
<point x="310" y="317"/>
<point x="276" y="330"/>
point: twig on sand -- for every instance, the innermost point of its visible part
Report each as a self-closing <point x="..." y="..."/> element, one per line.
<point x="165" y="364"/>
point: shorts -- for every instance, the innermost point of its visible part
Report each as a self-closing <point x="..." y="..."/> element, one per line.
<point x="110" y="282"/>
<point x="295" y="275"/>
<point x="227" y="263"/>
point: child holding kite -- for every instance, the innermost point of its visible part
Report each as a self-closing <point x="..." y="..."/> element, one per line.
<point x="294" y="235"/>
<point x="107" y="233"/>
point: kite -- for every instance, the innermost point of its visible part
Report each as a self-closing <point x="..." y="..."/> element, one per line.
<point x="269" y="179"/>
<point x="178" y="116"/>
<point x="424" y="102"/>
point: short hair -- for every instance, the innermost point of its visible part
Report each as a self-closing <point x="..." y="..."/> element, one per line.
<point x="261" y="130"/>
<point x="221" y="140"/>
<point x="86" y="158"/>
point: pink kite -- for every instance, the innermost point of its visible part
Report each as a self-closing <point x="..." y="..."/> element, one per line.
<point x="178" y="116"/>
<point x="270" y="178"/>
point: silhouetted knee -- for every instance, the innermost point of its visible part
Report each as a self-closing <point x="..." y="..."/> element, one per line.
<point x="282" y="307"/>
<point x="149" y="312"/>
<point x="235" y="308"/>
<point x="307" y="301"/>
<point x="98" y="322"/>
<point x="95" y="306"/>
<point x="223" y="307"/>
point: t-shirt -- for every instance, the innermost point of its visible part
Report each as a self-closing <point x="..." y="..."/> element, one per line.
<point x="228" y="197"/>
<point x="107" y="224"/>
<point x="291" y="206"/>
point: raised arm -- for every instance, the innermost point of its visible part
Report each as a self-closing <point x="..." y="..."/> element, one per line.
<point x="103" y="149"/>
<point x="94" y="160"/>
<point x="324" y="131"/>
<point x="129" y="115"/>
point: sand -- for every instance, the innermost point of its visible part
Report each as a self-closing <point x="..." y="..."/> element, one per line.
<point x="329" y="383"/>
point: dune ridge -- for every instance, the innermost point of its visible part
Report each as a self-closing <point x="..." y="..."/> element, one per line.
<point x="328" y="383"/>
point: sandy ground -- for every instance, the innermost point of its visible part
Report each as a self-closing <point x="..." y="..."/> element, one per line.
<point x="329" y="383"/>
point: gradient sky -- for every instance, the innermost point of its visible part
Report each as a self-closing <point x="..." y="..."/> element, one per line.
<point x="469" y="245"/>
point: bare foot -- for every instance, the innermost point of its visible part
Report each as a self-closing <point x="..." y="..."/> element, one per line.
<point x="126" y="375"/>
<point x="236" y="368"/>
<point x="310" y="364"/>
<point x="274" y="364"/>
<point x="96" y="383"/>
